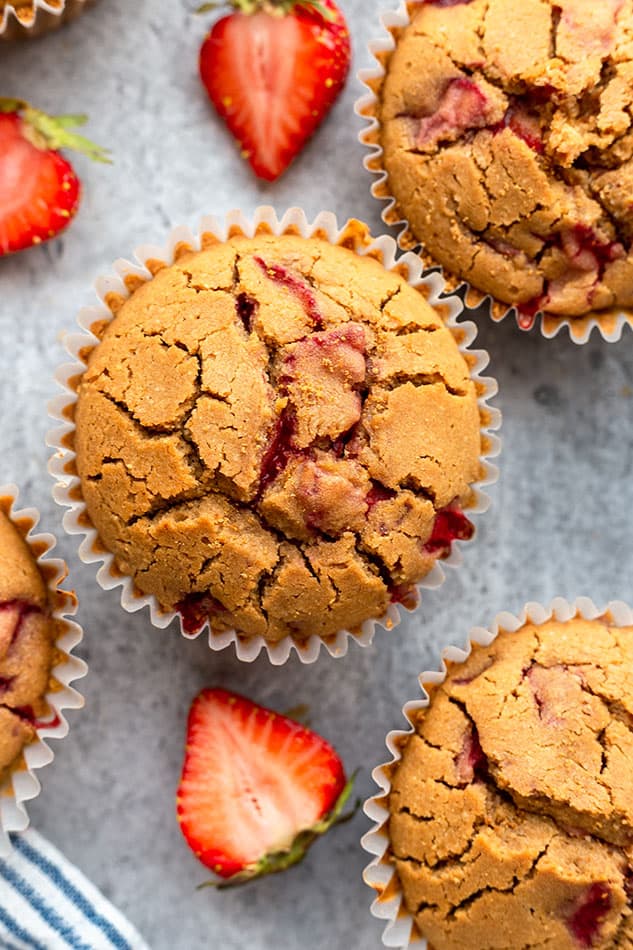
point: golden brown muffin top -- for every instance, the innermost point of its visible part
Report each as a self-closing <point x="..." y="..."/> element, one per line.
<point x="512" y="808"/>
<point x="508" y="141"/>
<point x="26" y="643"/>
<point x="267" y="431"/>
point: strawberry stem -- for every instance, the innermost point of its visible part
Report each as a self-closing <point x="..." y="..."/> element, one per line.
<point x="282" y="860"/>
<point x="53" y="132"/>
<point x="273" y="7"/>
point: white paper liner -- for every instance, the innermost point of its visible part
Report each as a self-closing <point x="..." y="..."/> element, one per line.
<point x="380" y="874"/>
<point x="609" y="323"/>
<point x="293" y="221"/>
<point x="22" y="785"/>
<point x="45" y="17"/>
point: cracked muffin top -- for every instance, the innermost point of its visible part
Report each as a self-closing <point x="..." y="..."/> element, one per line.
<point x="512" y="808"/>
<point x="508" y="142"/>
<point x="26" y="644"/>
<point x="277" y="434"/>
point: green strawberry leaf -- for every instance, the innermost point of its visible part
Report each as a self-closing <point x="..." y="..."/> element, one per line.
<point x="53" y="132"/>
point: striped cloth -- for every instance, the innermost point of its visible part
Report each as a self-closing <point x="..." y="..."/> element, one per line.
<point x="47" y="904"/>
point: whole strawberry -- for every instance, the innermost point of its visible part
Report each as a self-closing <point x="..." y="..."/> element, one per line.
<point x="257" y="788"/>
<point x="273" y="69"/>
<point x="39" y="190"/>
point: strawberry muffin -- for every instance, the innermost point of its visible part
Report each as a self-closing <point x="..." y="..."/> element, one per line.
<point x="507" y="140"/>
<point x="511" y="809"/>
<point x="277" y="435"/>
<point x="27" y="635"/>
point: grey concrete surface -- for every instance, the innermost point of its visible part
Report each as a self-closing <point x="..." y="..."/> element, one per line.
<point x="561" y="520"/>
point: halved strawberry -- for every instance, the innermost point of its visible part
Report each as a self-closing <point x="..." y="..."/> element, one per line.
<point x="257" y="788"/>
<point x="273" y="69"/>
<point x="39" y="190"/>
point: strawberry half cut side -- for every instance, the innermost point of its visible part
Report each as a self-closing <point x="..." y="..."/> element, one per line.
<point x="273" y="70"/>
<point x="257" y="788"/>
<point x="39" y="189"/>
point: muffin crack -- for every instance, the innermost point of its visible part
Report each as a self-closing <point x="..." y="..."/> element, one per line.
<point x="147" y="431"/>
<point x="516" y="882"/>
<point x="531" y="115"/>
<point x="419" y="379"/>
<point x="554" y="23"/>
<point x="568" y="814"/>
<point x="512" y="782"/>
<point x="293" y="439"/>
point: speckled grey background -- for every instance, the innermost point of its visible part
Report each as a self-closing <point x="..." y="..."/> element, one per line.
<point x="561" y="521"/>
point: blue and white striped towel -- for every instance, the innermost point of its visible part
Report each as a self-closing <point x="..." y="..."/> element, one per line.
<point x="47" y="904"/>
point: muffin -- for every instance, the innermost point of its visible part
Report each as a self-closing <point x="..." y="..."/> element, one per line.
<point x="27" y="635"/>
<point x="511" y="808"/>
<point x="506" y="139"/>
<point x="37" y="667"/>
<point x="277" y="435"/>
<point x="23" y="19"/>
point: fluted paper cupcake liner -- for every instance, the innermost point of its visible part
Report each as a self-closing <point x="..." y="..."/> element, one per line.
<point x="21" y="785"/>
<point x="126" y="275"/>
<point x="610" y="323"/>
<point x="400" y="930"/>
<point x="42" y="18"/>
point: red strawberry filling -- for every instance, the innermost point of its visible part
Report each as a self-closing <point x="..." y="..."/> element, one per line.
<point x="13" y="613"/>
<point x="327" y="364"/>
<point x="297" y="286"/>
<point x="586" y="252"/>
<point x="471" y="761"/>
<point x="378" y="493"/>
<point x="246" y="307"/>
<point x="280" y="450"/>
<point x="587" y="919"/>
<point x="27" y="714"/>
<point x="195" y="610"/>
<point x="526" y="312"/>
<point x="404" y="594"/>
<point x="463" y="106"/>
<point x="524" y="125"/>
<point x="5" y="683"/>
<point x="451" y="524"/>
<point x="321" y="375"/>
